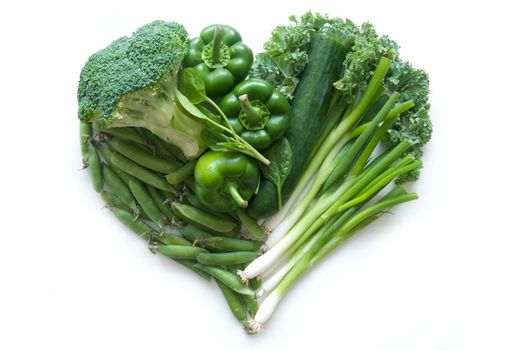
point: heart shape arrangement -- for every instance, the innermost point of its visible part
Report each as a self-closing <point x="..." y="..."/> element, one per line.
<point x="249" y="170"/>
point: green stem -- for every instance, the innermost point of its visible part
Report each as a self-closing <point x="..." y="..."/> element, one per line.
<point x="216" y="47"/>
<point x="248" y="149"/>
<point x="252" y="113"/>
<point x="398" y="109"/>
<point x="232" y="189"/>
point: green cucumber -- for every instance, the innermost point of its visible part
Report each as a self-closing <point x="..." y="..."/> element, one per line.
<point x="309" y="114"/>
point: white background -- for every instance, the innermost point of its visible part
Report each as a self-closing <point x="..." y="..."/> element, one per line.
<point x="433" y="276"/>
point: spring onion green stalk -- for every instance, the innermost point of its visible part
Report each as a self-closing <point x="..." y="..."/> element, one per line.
<point x="329" y="163"/>
<point x="310" y="257"/>
<point x="325" y="208"/>
<point x="334" y="136"/>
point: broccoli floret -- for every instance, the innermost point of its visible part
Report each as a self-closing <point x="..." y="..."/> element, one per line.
<point x="132" y="82"/>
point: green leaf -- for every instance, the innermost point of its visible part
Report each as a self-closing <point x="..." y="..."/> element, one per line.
<point x="194" y="112"/>
<point x="280" y="156"/>
<point x="191" y="85"/>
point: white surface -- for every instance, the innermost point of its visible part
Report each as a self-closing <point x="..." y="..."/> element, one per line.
<point x="433" y="276"/>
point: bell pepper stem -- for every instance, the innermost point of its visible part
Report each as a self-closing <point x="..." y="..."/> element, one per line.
<point x="216" y="48"/>
<point x="232" y="189"/>
<point x="252" y="113"/>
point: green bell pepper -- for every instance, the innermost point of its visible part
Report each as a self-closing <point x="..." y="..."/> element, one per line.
<point x="220" y="57"/>
<point x="225" y="180"/>
<point x="257" y="111"/>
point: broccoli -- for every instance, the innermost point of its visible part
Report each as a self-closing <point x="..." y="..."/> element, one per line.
<point x="133" y="82"/>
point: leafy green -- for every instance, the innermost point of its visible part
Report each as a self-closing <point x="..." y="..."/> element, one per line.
<point x="285" y="54"/>
<point x="280" y="156"/>
<point x="192" y="85"/>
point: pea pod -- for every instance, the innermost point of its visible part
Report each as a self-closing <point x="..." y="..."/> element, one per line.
<point x="145" y="200"/>
<point x="203" y="219"/>
<point x="143" y="158"/>
<point x="235" y="304"/>
<point x="137" y="225"/>
<point x="94" y="165"/>
<point x="113" y="201"/>
<point x="230" y="279"/>
<point x="181" y="173"/>
<point x="158" y="198"/>
<point x="125" y="134"/>
<point x="180" y="252"/>
<point x="251" y="229"/>
<point x="171" y="239"/>
<point x="141" y="173"/>
<point x="194" y="234"/>
<point x="251" y="304"/>
<point x="118" y="187"/>
<point x="231" y="244"/>
<point x="231" y="258"/>
<point x="162" y="148"/>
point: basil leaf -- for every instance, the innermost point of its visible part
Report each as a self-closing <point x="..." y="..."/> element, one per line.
<point x="191" y="85"/>
<point x="280" y="156"/>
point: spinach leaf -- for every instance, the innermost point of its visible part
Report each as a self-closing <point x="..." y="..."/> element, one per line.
<point x="280" y="156"/>
<point x="191" y="85"/>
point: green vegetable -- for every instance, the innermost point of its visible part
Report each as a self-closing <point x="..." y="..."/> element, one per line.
<point x="235" y="304"/>
<point x="231" y="280"/>
<point x="94" y="165"/>
<point x="132" y="82"/>
<point x="179" y="251"/>
<point x="85" y="135"/>
<point x="119" y="188"/>
<point x="309" y="114"/>
<point x="258" y="112"/>
<point x="194" y="234"/>
<point x="159" y="199"/>
<point x="250" y="227"/>
<point x="227" y="244"/>
<point x="143" y="174"/>
<point x="220" y="57"/>
<point x="280" y="155"/>
<point x="286" y="53"/>
<point x="128" y="134"/>
<point x="143" y="158"/>
<point x="146" y="202"/>
<point x="225" y="180"/>
<point x="230" y="258"/>
<point x="179" y="175"/>
<point x="203" y="219"/>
